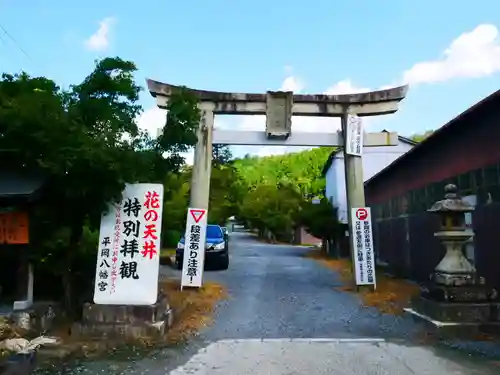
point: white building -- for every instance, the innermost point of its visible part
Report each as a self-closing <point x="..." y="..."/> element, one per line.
<point x="374" y="160"/>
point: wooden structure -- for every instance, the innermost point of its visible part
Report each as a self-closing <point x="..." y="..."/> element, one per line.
<point x="18" y="192"/>
<point x="464" y="152"/>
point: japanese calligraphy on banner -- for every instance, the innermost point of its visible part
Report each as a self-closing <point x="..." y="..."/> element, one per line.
<point x="354" y="133"/>
<point x="364" y="256"/>
<point x="128" y="256"/>
<point x="194" y="248"/>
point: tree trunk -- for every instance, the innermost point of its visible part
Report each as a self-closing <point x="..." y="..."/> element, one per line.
<point x="74" y="242"/>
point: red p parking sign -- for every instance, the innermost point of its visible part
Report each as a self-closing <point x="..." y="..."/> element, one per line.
<point x="361" y="214"/>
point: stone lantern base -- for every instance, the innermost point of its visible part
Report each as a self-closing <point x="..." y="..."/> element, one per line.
<point x="446" y="314"/>
<point x="455" y="296"/>
<point x="470" y="305"/>
<point x="458" y="287"/>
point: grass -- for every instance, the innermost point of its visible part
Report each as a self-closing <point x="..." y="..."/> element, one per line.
<point x="391" y="295"/>
<point x="193" y="307"/>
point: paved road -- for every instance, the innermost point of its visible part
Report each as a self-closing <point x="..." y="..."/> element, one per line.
<point x="277" y="293"/>
<point x="285" y="317"/>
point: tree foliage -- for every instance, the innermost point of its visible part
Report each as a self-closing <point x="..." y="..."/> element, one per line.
<point x="421" y="137"/>
<point x="275" y="189"/>
<point x="86" y="143"/>
<point x="303" y="170"/>
<point x="221" y="155"/>
<point x="319" y="219"/>
<point x="267" y="208"/>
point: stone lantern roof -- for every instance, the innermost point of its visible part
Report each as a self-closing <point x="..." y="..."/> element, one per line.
<point x="452" y="202"/>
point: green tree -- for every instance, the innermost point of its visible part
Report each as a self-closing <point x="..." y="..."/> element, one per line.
<point x="225" y="194"/>
<point x="271" y="209"/>
<point x="319" y="219"/>
<point x="303" y="170"/>
<point x="221" y="155"/>
<point x="86" y="142"/>
<point x="421" y="137"/>
<point x="176" y="202"/>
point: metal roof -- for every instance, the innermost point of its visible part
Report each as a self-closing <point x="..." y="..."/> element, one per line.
<point x="474" y="110"/>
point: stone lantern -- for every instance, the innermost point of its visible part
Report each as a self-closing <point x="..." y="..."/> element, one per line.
<point x="454" y="269"/>
<point x="454" y="293"/>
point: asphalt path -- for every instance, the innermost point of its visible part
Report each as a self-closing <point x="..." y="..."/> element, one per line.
<point x="284" y="315"/>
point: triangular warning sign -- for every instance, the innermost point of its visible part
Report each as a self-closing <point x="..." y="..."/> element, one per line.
<point x="197" y="215"/>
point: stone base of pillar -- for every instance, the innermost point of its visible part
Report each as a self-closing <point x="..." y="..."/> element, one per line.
<point x="473" y="292"/>
<point x="458" y="312"/>
<point x="120" y="321"/>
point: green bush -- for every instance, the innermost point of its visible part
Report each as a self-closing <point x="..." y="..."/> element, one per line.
<point x="49" y="261"/>
<point x="171" y="238"/>
<point x="84" y="265"/>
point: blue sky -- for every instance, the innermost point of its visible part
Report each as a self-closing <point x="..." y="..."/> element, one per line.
<point x="448" y="51"/>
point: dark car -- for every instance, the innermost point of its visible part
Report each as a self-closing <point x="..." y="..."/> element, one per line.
<point x="216" y="249"/>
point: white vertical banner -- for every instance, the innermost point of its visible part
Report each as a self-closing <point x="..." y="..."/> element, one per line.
<point x="194" y="248"/>
<point x="362" y="241"/>
<point x="354" y="134"/>
<point x="128" y="254"/>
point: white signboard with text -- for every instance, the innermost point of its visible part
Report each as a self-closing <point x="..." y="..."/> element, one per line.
<point x="362" y="240"/>
<point x="194" y="248"/>
<point x="128" y="254"/>
<point x="354" y="131"/>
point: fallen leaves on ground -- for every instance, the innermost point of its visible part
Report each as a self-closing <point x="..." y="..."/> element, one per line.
<point x="8" y="331"/>
<point x="193" y="307"/>
<point x="391" y="295"/>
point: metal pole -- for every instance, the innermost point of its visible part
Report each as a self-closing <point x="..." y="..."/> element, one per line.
<point x="202" y="164"/>
<point x="355" y="189"/>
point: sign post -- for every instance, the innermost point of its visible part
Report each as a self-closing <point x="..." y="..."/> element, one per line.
<point x="362" y="241"/>
<point x="354" y="141"/>
<point x="194" y="248"/>
<point x="128" y="254"/>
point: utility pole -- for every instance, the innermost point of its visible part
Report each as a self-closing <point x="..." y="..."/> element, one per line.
<point x="355" y="189"/>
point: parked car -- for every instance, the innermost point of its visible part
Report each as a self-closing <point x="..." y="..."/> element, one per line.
<point x="216" y="248"/>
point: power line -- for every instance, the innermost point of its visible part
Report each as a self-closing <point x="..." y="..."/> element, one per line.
<point x="14" y="41"/>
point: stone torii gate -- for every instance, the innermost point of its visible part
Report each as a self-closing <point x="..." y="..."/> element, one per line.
<point x="279" y="107"/>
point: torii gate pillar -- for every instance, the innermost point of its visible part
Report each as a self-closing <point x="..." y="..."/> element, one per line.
<point x="279" y="108"/>
<point x="202" y="163"/>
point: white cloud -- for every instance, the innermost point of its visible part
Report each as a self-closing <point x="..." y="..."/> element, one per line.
<point x="152" y="120"/>
<point x="299" y="123"/>
<point x="473" y="54"/>
<point x="345" y="87"/>
<point x="292" y="83"/>
<point x="99" y="41"/>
